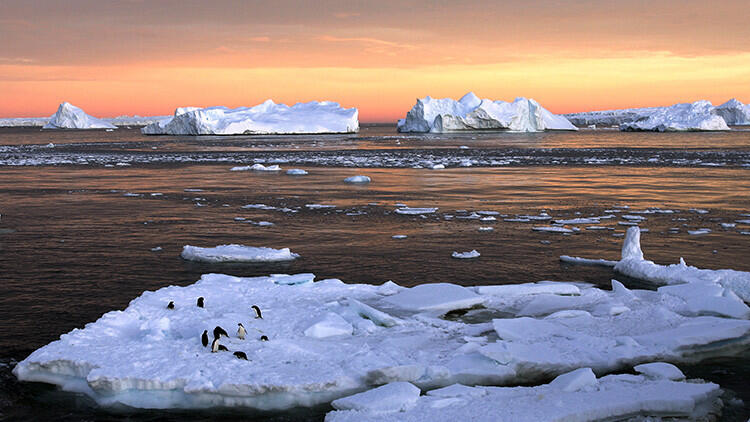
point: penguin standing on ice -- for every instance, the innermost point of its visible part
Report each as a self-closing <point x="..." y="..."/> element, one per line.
<point x="216" y="347"/>
<point x="170" y="305"/>
<point x="240" y="355"/>
<point x="218" y="332"/>
<point x="257" y="312"/>
<point x="204" y="338"/>
<point x="200" y="302"/>
<point x="241" y="331"/>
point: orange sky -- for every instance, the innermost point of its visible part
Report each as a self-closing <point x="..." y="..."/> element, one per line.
<point x="141" y="57"/>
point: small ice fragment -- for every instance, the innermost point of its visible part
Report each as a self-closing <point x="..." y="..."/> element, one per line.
<point x="466" y="255"/>
<point x="156" y="249"/>
<point x="296" y="172"/>
<point x="699" y="231"/>
<point x="256" y="167"/>
<point x="357" y="179"/>
<point x="399" y="236"/>
<point x="486" y="229"/>
<point x="415" y="211"/>
<point x="438" y="167"/>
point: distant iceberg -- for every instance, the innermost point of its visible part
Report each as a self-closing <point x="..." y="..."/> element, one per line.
<point x="697" y="116"/>
<point x="266" y="118"/>
<point x="69" y="116"/>
<point x="473" y="113"/>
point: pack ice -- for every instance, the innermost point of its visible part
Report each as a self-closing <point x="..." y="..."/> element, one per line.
<point x="69" y="116"/>
<point x="265" y="118"/>
<point x="328" y="340"/>
<point x="697" y="116"/>
<point x="472" y="113"/>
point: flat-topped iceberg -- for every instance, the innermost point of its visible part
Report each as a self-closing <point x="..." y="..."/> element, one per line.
<point x="697" y="116"/>
<point x="578" y="396"/>
<point x="266" y="118"/>
<point x="69" y="116"/>
<point x="472" y="113"/>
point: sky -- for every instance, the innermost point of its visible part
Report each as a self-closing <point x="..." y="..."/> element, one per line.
<point x="149" y="57"/>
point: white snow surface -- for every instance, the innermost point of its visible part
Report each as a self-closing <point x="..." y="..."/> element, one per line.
<point x="392" y="397"/>
<point x="148" y="356"/>
<point x="236" y="253"/>
<point x="265" y="118"/>
<point x="69" y="116"/>
<point x="472" y="113"/>
<point x="613" y="397"/>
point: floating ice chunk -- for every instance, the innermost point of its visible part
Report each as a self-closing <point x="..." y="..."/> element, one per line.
<point x="266" y="118"/>
<point x="389" y="398"/>
<point x="698" y="211"/>
<point x="156" y="249"/>
<point x="466" y="255"/>
<point x="69" y="116"/>
<point x="586" y="261"/>
<point x="319" y="206"/>
<point x="728" y="225"/>
<point x="486" y="229"/>
<point x="296" y="172"/>
<point x="551" y="229"/>
<point x="440" y="297"/>
<point x="579" y="379"/>
<point x="631" y="248"/>
<point x="438" y="167"/>
<point x="616" y="397"/>
<point x="357" y="179"/>
<point x="256" y="167"/>
<point x="660" y="370"/>
<point x="415" y="211"/>
<point x="399" y="236"/>
<point x="578" y="221"/>
<point x="471" y="113"/>
<point x="699" y="232"/>
<point x="329" y="325"/>
<point x="236" y="253"/>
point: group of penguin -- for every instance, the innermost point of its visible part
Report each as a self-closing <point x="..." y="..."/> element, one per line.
<point x="218" y="332"/>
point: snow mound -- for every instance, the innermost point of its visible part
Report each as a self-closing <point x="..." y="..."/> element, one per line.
<point x="236" y="253"/>
<point x="69" y="116"/>
<point x="472" y="113"/>
<point x="612" y="397"/>
<point x="265" y="118"/>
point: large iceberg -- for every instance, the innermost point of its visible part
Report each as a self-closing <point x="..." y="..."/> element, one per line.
<point x="473" y="113"/>
<point x="328" y="340"/>
<point x="697" y="116"/>
<point x="266" y="118"/>
<point x="69" y="116"/>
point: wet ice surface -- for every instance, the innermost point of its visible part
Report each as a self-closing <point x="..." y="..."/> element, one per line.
<point x="96" y="242"/>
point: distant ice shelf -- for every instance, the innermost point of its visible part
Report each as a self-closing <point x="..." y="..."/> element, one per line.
<point x="265" y="118"/>
<point x="472" y="113"/>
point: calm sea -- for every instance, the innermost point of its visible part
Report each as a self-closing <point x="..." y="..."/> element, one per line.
<point x="82" y="211"/>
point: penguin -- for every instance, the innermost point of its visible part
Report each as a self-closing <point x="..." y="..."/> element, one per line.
<point x="264" y="338"/>
<point x="200" y="302"/>
<point x="215" y="346"/>
<point x="204" y="338"/>
<point x="170" y="305"/>
<point x="223" y="348"/>
<point x="240" y="355"/>
<point x="241" y="331"/>
<point x="218" y="332"/>
<point x="257" y="312"/>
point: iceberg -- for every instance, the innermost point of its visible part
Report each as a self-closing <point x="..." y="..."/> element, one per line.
<point x="612" y="397"/>
<point x="698" y="116"/>
<point x="471" y="113"/>
<point x="69" y="116"/>
<point x="266" y="118"/>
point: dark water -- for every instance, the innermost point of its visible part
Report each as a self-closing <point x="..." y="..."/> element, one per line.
<point x="73" y="246"/>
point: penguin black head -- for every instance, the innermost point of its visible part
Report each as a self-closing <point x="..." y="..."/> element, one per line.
<point x="200" y="302"/>
<point x="263" y="338"/>
<point x="240" y="355"/>
<point x="218" y="332"/>
<point x="204" y="338"/>
<point x="170" y="305"/>
<point x="257" y="312"/>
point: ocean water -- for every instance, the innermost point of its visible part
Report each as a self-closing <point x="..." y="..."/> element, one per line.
<point x="81" y="212"/>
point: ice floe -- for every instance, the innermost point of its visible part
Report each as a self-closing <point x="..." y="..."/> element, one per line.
<point x="473" y="113"/>
<point x="237" y="253"/>
<point x="296" y="172"/>
<point x="415" y="211"/>
<point x="466" y="255"/>
<point x="69" y="116"/>
<point x="582" y="397"/>
<point x="265" y="118"/>
<point x="357" y="179"/>
<point x="256" y="167"/>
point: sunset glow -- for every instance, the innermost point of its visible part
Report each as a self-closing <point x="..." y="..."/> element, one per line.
<point x="140" y="58"/>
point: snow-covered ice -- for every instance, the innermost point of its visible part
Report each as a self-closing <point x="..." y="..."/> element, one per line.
<point x="612" y="397"/>
<point x="392" y="397"/>
<point x="265" y="118"/>
<point x="237" y="253"/>
<point x="296" y="172"/>
<point x="69" y="116"/>
<point x="473" y="113"/>
<point x="415" y="211"/>
<point x="256" y="167"/>
<point x="437" y="297"/>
